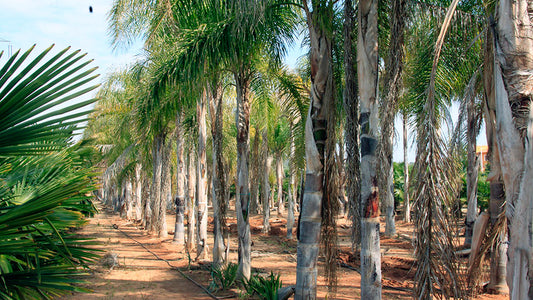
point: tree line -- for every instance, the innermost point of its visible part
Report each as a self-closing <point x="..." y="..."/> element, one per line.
<point x="217" y="65"/>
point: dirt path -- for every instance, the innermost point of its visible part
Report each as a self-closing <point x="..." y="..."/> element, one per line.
<point x="141" y="275"/>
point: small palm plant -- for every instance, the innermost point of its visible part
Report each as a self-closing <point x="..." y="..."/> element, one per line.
<point x="45" y="185"/>
<point x="266" y="288"/>
<point x="223" y="277"/>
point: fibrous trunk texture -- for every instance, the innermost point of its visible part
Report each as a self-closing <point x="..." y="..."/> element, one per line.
<point x="242" y="86"/>
<point x="367" y="71"/>
<point x="201" y="179"/>
<point x="472" y="170"/>
<point x="513" y="91"/>
<point x="393" y="84"/>
<point x="498" y="255"/>
<point x="435" y="191"/>
<point x="179" y="230"/>
<point x="351" y="107"/>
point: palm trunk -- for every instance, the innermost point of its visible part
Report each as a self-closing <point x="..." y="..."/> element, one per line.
<point x="266" y="184"/>
<point x="242" y="83"/>
<point x="218" y="193"/>
<point x="191" y="206"/>
<point x="351" y="106"/>
<point x="472" y="172"/>
<point x="367" y="67"/>
<point x="513" y="90"/>
<point x="321" y="93"/>
<point x="292" y="196"/>
<point x="498" y="257"/>
<point x="166" y="189"/>
<point x="137" y="194"/>
<point x="255" y="176"/>
<point x="155" y="191"/>
<point x="128" y="198"/>
<point x="179" y="228"/>
<point x="201" y="196"/>
<point x="389" y="108"/>
<point x="147" y="208"/>
<point x="406" y="200"/>
<point x="279" y="177"/>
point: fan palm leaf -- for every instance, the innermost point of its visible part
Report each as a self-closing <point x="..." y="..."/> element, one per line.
<point x="42" y="196"/>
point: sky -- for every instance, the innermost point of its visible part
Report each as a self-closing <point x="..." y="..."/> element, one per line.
<point x="70" y="23"/>
<point x="63" y="23"/>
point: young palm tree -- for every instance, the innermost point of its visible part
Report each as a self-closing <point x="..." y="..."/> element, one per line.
<point x="44" y="181"/>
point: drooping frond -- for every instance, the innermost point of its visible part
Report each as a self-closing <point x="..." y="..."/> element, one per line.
<point x="437" y="271"/>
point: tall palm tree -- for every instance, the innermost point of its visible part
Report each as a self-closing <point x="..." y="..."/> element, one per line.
<point x="367" y="72"/>
<point x="389" y="108"/>
<point x="319" y="18"/>
<point x="513" y="52"/>
<point x="351" y="108"/>
<point x="216" y="110"/>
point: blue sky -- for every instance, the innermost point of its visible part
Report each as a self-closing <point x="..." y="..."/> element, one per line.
<point x="63" y="23"/>
<point x="69" y="23"/>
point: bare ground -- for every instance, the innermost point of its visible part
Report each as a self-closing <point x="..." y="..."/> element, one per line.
<point x="148" y="266"/>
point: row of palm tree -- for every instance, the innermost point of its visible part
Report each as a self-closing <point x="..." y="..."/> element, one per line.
<point x="206" y="54"/>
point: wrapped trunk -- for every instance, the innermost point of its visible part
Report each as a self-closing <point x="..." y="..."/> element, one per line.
<point x="321" y="94"/>
<point x="367" y="72"/>
<point x="201" y="179"/>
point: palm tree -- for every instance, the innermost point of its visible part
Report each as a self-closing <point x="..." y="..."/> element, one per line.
<point x="512" y="89"/>
<point x="216" y="110"/>
<point x="389" y="108"/>
<point x="44" y="178"/>
<point x="201" y="177"/>
<point x="351" y="108"/>
<point x="179" y="230"/>
<point x="319" y="23"/>
<point x="367" y="72"/>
